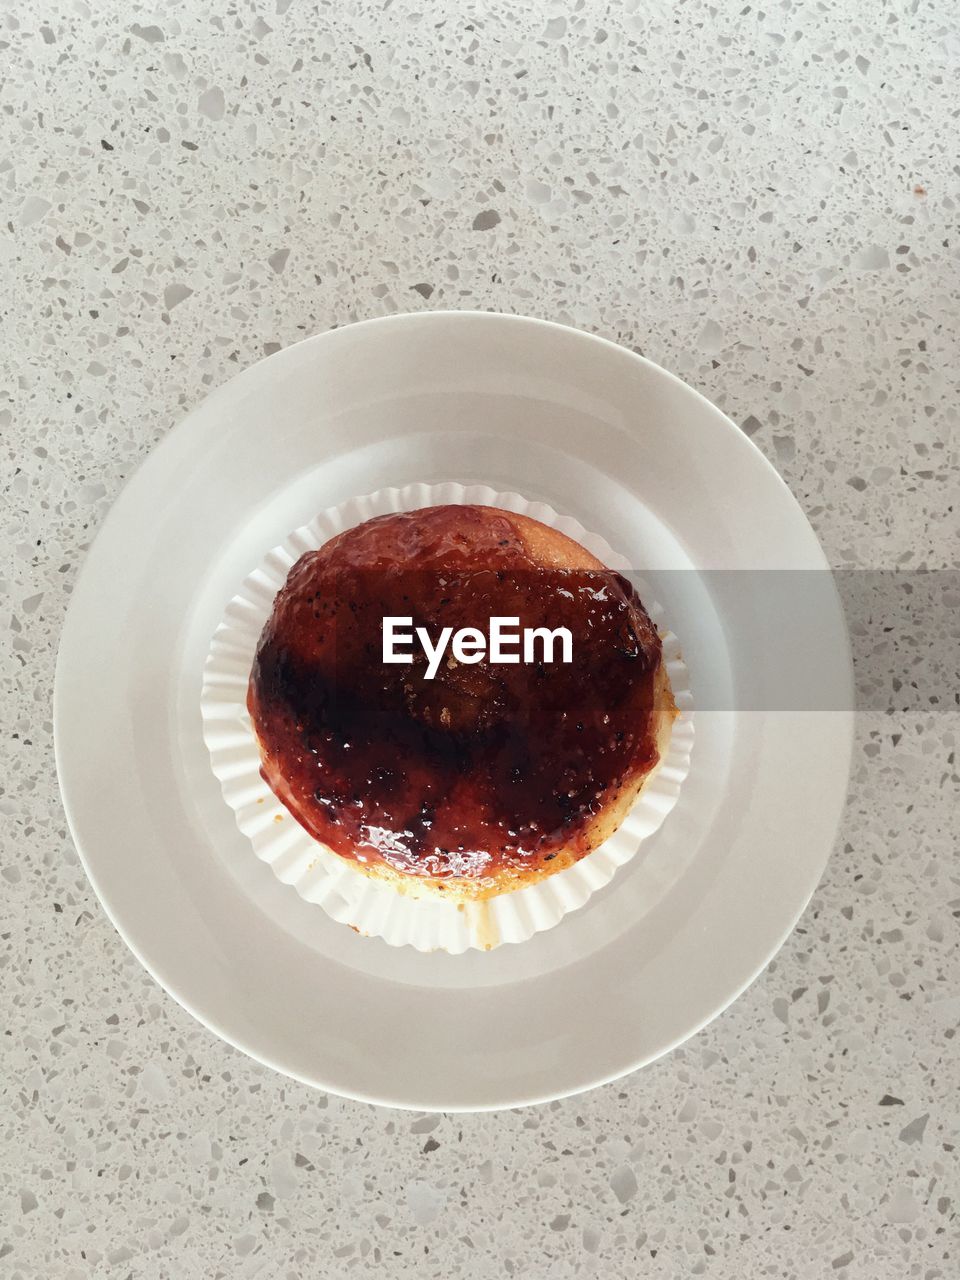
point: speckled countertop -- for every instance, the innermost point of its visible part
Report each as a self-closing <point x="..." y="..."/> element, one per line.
<point x="763" y="200"/>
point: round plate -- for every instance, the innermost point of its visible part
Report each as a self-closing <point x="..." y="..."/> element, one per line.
<point x="598" y="433"/>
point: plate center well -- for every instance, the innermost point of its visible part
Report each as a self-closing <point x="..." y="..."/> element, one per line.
<point x="635" y="532"/>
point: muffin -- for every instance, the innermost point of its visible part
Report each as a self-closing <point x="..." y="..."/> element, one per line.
<point x="412" y="734"/>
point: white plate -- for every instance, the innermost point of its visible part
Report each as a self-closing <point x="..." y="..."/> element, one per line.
<point x="600" y="434"/>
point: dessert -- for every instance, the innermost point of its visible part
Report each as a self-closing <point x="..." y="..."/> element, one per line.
<point x="455" y="767"/>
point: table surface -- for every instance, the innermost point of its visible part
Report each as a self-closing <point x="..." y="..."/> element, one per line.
<point x="764" y="201"/>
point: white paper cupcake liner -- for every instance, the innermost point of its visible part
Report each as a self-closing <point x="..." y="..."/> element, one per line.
<point x="374" y="907"/>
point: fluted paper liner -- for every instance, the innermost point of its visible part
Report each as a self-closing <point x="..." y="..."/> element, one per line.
<point x="374" y="907"/>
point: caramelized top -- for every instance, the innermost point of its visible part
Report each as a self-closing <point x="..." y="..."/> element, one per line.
<point x="486" y="767"/>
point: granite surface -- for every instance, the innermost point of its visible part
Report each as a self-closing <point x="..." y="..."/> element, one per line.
<point x="764" y="200"/>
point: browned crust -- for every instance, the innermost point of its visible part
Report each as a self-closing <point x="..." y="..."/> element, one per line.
<point x="553" y="550"/>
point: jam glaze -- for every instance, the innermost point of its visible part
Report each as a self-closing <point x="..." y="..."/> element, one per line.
<point x="488" y="772"/>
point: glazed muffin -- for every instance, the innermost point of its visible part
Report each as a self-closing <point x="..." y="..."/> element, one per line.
<point x="442" y="770"/>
